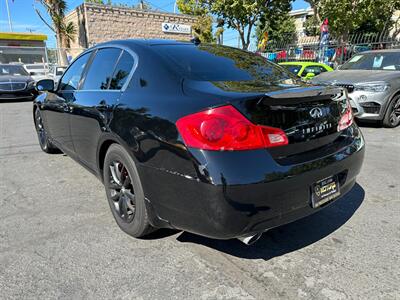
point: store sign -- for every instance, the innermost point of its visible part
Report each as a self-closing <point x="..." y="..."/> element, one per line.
<point x="176" y="28"/>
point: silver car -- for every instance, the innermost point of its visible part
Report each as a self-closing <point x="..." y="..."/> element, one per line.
<point x="372" y="80"/>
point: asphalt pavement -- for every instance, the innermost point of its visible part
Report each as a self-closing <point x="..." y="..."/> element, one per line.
<point x="58" y="238"/>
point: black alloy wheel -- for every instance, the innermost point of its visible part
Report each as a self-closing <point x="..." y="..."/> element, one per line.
<point x="121" y="191"/>
<point x="125" y="193"/>
<point x="44" y="142"/>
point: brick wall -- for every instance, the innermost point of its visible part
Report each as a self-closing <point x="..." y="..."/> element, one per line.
<point x="100" y="23"/>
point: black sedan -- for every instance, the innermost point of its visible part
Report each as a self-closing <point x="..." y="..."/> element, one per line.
<point x="204" y="138"/>
<point x="16" y="83"/>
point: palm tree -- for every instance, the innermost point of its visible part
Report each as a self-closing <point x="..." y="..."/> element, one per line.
<point x="65" y="32"/>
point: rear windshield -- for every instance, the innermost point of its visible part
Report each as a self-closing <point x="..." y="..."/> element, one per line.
<point x="220" y="63"/>
<point x="388" y="61"/>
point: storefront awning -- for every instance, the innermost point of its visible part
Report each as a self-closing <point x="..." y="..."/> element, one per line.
<point x="20" y="36"/>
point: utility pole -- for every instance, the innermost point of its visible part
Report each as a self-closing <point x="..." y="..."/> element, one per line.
<point x="9" y="16"/>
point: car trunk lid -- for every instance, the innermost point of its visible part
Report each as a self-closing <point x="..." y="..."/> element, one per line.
<point x="308" y="114"/>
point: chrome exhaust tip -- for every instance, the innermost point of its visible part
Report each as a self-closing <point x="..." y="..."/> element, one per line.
<point x="251" y="239"/>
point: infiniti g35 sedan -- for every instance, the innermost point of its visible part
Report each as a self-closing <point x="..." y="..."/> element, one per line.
<point x="203" y="138"/>
<point x="16" y="83"/>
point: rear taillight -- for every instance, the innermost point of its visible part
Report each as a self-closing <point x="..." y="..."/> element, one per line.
<point x="224" y="128"/>
<point x="347" y="118"/>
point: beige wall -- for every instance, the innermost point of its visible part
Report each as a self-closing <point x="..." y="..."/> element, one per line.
<point x="101" y="23"/>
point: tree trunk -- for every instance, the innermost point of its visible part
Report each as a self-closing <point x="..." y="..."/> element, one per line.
<point x="62" y="54"/>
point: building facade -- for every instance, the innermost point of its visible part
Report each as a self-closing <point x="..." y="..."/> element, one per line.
<point x="100" y="23"/>
<point x="300" y="17"/>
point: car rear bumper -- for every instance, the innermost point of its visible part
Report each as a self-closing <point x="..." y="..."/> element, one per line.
<point x="244" y="192"/>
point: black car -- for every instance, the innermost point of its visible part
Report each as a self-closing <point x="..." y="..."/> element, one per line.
<point x="204" y="138"/>
<point x="16" y="83"/>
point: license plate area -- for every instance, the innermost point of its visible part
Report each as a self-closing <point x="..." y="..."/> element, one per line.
<point x="324" y="191"/>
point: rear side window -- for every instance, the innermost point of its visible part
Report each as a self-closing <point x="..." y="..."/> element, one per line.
<point x="71" y="78"/>
<point x="101" y="69"/>
<point x="122" y="71"/>
<point x="219" y="63"/>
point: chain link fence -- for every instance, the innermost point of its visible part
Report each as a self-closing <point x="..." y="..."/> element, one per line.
<point x="335" y="51"/>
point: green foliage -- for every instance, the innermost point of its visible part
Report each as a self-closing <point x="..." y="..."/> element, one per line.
<point x="65" y="32"/>
<point x="312" y="26"/>
<point x="192" y="7"/>
<point x="242" y="15"/>
<point x="351" y="16"/>
<point x="281" y="29"/>
<point x="202" y="28"/>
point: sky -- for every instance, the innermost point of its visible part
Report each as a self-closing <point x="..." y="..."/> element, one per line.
<point x="24" y="18"/>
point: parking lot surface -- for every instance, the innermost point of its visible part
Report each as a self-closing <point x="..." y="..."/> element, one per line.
<point x="58" y="238"/>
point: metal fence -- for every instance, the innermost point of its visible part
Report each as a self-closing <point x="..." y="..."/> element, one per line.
<point x="333" y="52"/>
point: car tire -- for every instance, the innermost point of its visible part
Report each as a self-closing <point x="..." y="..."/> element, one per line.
<point x="45" y="144"/>
<point x="125" y="193"/>
<point x="392" y="116"/>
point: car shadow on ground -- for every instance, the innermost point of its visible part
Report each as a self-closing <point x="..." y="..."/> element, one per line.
<point x="290" y="237"/>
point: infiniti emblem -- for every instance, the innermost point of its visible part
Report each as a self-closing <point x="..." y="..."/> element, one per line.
<point x="316" y="112"/>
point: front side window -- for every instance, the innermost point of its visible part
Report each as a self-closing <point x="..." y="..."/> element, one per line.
<point x="71" y="78"/>
<point x="101" y="69"/>
<point x="122" y="71"/>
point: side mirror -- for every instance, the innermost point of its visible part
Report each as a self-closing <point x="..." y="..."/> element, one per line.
<point x="310" y="75"/>
<point x="32" y="73"/>
<point x="45" y="85"/>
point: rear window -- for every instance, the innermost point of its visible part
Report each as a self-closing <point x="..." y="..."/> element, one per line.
<point x="220" y="63"/>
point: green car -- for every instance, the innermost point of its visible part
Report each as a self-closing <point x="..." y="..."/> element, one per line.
<point x="306" y="69"/>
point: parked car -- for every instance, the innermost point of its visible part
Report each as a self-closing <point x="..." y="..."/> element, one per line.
<point x="15" y="83"/>
<point x="306" y="69"/>
<point x="38" y="71"/>
<point x="204" y="138"/>
<point x="56" y="72"/>
<point x="372" y="79"/>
